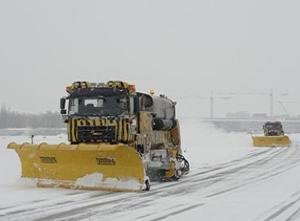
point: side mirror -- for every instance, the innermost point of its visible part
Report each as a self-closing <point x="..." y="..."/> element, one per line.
<point x="62" y="103"/>
<point x="63" y="111"/>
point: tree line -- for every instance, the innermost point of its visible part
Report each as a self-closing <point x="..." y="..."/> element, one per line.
<point x="13" y="119"/>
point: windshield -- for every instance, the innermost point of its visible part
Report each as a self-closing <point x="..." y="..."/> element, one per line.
<point x="273" y="126"/>
<point x="99" y="106"/>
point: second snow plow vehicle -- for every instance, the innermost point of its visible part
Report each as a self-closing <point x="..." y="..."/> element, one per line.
<point x="273" y="136"/>
<point x="118" y="139"/>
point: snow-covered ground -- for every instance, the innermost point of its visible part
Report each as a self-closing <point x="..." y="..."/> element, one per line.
<point x="229" y="180"/>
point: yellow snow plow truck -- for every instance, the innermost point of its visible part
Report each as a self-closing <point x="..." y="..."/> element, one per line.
<point x="273" y="136"/>
<point x="119" y="140"/>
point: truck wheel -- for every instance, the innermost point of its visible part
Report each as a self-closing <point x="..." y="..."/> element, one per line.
<point x="147" y="185"/>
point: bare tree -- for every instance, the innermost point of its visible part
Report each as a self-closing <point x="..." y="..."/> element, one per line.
<point x="12" y="119"/>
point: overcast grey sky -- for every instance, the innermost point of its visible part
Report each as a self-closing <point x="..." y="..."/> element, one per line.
<point x="188" y="46"/>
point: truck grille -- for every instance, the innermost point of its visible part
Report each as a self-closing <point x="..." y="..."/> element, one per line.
<point x="97" y="134"/>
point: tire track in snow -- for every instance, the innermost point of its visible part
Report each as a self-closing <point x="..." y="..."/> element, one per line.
<point x="53" y="203"/>
<point x="262" y="178"/>
<point x="287" y="210"/>
<point x="224" y="168"/>
<point x="174" y="213"/>
<point x="294" y="216"/>
<point x="276" y="170"/>
<point x="223" y="174"/>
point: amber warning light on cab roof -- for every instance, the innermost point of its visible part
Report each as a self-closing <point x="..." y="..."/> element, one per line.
<point x="110" y="84"/>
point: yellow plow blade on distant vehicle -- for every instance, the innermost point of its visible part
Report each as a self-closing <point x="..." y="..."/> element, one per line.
<point x="113" y="167"/>
<point x="271" y="141"/>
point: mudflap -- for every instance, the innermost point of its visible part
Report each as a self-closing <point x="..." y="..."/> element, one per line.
<point x="112" y="167"/>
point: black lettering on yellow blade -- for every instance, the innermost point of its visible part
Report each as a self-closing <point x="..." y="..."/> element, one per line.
<point x="106" y="161"/>
<point x="48" y="159"/>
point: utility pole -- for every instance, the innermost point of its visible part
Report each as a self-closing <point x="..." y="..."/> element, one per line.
<point x="212" y="99"/>
<point x="211" y="105"/>
<point x="271" y="103"/>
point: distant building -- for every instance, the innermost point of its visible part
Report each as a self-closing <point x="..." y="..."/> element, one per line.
<point x="260" y="115"/>
<point x="239" y="115"/>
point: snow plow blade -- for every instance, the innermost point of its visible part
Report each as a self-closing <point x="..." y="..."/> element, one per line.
<point x="271" y="141"/>
<point x="112" y="167"/>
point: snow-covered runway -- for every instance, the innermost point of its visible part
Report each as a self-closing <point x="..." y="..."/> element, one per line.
<point x="229" y="180"/>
